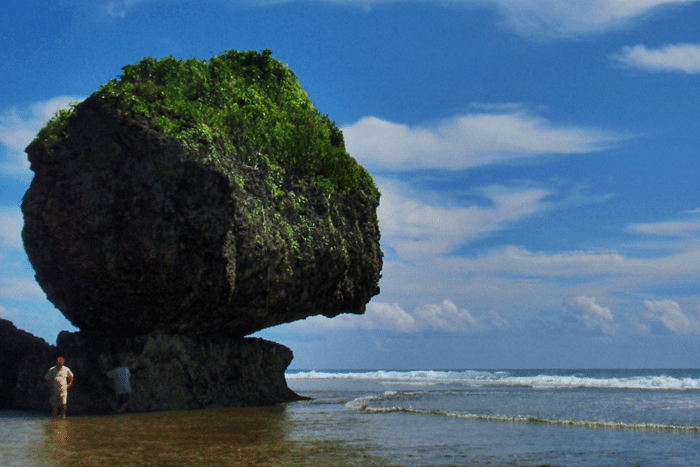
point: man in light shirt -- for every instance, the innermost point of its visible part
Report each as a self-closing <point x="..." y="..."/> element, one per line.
<point x="59" y="379"/>
<point x="120" y="376"/>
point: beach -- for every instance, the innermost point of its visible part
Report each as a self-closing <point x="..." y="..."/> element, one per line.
<point x="397" y="418"/>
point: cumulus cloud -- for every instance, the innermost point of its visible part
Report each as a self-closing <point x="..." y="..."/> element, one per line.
<point x="18" y="127"/>
<point x="379" y="316"/>
<point x="492" y="135"/>
<point x="446" y="317"/>
<point x="510" y="287"/>
<point x="682" y="58"/>
<point x="509" y="278"/>
<point x="421" y="249"/>
<point x="670" y="314"/>
<point x="594" y="316"/>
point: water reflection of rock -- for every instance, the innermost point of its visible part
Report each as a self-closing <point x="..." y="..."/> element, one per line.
<point x="212" y="437"/>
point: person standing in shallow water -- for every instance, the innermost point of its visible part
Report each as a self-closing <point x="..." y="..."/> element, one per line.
<point x="59" y="379"/>
<point x="120" y="375"/>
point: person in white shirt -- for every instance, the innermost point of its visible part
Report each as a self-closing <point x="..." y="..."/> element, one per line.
<point x="59" y="379"/>
<point x="120" y="376"/>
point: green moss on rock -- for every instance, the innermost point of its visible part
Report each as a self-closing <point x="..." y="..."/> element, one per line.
<point x="242" y="105"/>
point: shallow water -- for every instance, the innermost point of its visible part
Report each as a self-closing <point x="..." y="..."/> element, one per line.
<point x="394" y="418"/>
<point x="213" y="437"/>
<point x="528" y="418"/>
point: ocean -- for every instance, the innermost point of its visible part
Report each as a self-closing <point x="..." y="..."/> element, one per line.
<point x="397" y="418"/>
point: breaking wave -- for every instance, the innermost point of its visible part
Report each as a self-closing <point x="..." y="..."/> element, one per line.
<point x="366" y="404"/>
<point x="473" y="378"/>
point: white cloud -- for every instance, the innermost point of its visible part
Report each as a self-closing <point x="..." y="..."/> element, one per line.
<point x="574" y="18"/>
<point x="520" y="284"/>
<point x="689" y="228"/>
<point x="510" y="287"/>
<point x="46" y="323"/>
<point x="379" y="316"/>
<point x="669" y="313"/>
<point x="539" y="19"/>
<point x="521" y="262"/>
<point x="421" y="235"/>
<point x="593" y="315"/>
<point x="506" y="134"/>
<point x="442" y="317"/>
<point x="119" y="8"/>
<point x="607" y="269"/>
<point x="446" y="317"/>
<point x="416" y="228"/>
<point x="683" y="58"/>
<point x="553" y="18"/>
<point x="18" y="127"/>
<point x="11" y="222"/>
<point x="673" y="260"/>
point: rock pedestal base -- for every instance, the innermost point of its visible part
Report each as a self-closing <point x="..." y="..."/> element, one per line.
<point x="168" y="372"/>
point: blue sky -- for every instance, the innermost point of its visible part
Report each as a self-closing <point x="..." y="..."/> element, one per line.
<point x="537" y="161"/>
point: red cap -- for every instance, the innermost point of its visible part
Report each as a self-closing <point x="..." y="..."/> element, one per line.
<point x="60" y="360"/>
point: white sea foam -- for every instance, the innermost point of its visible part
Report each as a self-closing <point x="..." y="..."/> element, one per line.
<point x="363" y="404"/>
<point x="414" y="376"/>
<point x="503" y="378"/>
<point x="637" y="382"/>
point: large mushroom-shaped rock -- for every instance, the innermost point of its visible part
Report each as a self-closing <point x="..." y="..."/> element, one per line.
<point x="199" y="198"/>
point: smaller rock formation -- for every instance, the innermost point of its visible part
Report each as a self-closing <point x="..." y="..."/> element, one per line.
<point x="171" y="372"/>
<point x="167" y="371"/>
<point x="24" y="359"/>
